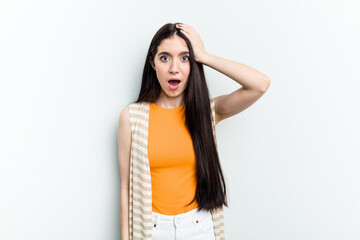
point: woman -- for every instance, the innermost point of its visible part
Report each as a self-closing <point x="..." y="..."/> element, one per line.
<point x="172" y="186"/>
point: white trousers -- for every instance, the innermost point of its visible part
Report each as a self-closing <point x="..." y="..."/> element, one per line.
<point x="192" y="225"/>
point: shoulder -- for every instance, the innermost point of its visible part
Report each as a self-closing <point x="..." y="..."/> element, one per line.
<point x="130" y="111"/>
<point x="125" y="112"/>
<point x="137" y="106"/>
<point x="124" y="117"/>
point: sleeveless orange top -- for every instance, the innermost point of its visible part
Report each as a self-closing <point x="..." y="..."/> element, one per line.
<point x="172" y="161"/>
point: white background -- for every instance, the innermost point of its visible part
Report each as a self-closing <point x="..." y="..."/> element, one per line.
<point x="68" y="68"/>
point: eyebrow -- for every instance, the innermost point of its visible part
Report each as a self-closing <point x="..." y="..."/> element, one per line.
<point x="167" y="53"/>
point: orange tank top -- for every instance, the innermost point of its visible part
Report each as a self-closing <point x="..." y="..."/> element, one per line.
<point x="172" y="161"/>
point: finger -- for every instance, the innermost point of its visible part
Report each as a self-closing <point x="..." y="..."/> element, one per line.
<point x="184" y="30"/>
<point x="185" y="25"/>
<point x="194" y="34"/>
<point x="188" y="35"/>
<point x="187" y="28"/>
<point x="191" y="39"/>
<point x="189" y="31"/>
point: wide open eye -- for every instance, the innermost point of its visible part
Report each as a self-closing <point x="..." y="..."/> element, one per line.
<point x="162" y="58"/>
<point x="185" y="58"/>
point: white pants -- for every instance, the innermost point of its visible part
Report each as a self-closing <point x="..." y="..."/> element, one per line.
<point x="192" y="225"/>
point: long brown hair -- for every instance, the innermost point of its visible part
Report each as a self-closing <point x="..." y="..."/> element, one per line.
<point x="210" y="187"/>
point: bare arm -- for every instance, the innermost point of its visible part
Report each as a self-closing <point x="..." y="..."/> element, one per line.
<point x="124" y="145"/>
<point x="254" y="83"/>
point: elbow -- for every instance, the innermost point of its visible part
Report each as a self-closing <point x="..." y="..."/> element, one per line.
<point x="266" y="84"/>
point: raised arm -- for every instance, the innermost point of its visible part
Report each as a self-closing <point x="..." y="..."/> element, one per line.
<point x="254" y="83"/>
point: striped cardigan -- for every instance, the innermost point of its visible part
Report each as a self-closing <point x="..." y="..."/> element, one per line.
<point x="140" y="199"/>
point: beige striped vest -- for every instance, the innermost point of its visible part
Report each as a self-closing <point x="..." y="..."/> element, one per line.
<point x="140" y="205"/>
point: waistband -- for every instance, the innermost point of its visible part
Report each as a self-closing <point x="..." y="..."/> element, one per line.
<point x="172" y="217"/>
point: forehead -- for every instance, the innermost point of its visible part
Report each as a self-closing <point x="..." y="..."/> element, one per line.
<point x="173" y="45"/>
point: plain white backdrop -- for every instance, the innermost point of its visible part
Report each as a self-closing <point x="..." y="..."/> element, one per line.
<point x="68" y="68"/>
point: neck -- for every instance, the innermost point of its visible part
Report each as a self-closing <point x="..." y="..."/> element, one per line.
<point x="169" y="102"/>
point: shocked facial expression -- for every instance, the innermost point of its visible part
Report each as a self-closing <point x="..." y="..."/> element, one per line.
<point x="172" y="66"/>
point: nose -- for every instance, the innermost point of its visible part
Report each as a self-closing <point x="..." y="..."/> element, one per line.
<point x="174" y="66"/>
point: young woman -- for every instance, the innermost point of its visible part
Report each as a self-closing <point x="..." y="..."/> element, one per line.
<point x="172" y="186"/>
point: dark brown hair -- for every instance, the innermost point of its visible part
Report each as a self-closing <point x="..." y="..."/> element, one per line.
<point x="210" y="189"/>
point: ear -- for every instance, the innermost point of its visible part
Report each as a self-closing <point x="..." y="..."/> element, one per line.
<point x="152" y="63"/>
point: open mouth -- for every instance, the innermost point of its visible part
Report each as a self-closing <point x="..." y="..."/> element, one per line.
<point x="174" y="84"/>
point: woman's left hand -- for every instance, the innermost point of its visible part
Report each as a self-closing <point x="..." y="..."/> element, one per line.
<point x="195" y="39"/>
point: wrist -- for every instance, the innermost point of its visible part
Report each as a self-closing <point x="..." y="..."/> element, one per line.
<point x="204" y="58"/>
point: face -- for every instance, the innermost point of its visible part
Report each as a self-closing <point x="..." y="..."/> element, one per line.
<point x="172" y="62"/>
